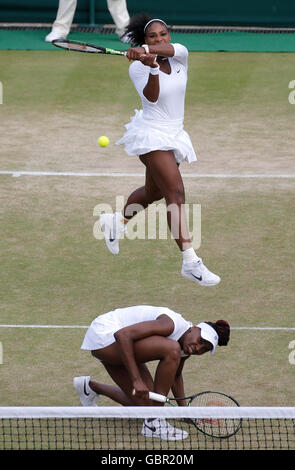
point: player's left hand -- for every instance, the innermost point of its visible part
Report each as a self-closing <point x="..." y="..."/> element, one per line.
<point x="134" y="53"/>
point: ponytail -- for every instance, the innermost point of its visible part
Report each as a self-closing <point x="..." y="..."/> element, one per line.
<point x="222" y="328"/>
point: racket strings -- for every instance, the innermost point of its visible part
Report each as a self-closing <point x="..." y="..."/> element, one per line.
<point x="215" y="427"/>
<point x="79" y="47"/>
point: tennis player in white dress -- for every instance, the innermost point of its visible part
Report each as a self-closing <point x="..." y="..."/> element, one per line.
<point x="155" y="134"/>
<point x="125" y="339"/>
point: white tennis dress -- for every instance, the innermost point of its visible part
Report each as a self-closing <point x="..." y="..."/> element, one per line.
<point x="101" y="331"/>
<point x="159" y="125"/>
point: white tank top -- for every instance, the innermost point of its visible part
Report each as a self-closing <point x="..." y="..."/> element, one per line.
<point x="130" y="315"/>
<point x="101" y="331"/>
<point x="122" y="317"/>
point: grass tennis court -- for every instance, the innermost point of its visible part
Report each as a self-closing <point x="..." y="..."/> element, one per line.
<point x="54" y="272"/>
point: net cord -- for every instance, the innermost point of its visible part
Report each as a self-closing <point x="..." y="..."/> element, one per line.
<point x="147" y="412"/>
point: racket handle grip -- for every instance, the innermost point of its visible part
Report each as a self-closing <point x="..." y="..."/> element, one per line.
<point x="154" y="396"/>
<point x="157" y="397"/>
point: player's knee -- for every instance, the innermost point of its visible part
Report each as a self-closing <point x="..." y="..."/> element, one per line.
<point x="176" y="195"/>
<point x="153" y="196"/>
<point x="172" y="352"/>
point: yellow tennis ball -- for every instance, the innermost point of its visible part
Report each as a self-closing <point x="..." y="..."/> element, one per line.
<point x="103" y="141"/>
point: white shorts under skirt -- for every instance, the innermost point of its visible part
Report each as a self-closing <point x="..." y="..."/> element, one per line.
<point x="144" y="135"/>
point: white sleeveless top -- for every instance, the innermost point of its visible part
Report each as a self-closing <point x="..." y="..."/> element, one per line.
<point x="101" y="331"/>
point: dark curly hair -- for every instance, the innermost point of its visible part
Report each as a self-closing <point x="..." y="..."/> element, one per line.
<point x="135" y="28"/>
<point x="222" y="328"/>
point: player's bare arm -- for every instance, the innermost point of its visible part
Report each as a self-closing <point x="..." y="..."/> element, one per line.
<point x="126" y="337"/>
<point x="164" y="50"/>
<point x="178" y="385"/>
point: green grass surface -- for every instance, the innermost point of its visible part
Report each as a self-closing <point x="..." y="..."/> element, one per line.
<point x="53" y="270"/>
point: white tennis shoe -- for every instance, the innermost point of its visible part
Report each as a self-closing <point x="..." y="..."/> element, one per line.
<point x="112" y="227"/>
<point x="159" y="427"/>
<point x="55" y="34"/>
<point x="86" y="394"/>
<point x="126" y="38"/>
<point x="196" y="271"/>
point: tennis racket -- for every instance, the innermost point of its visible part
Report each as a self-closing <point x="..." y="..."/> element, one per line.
<point x="214" y="427"/>
<point x="79" y="46"/>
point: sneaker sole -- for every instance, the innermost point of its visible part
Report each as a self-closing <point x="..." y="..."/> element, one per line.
<point x="164" y="437"/>
<point x="201" y="283"/>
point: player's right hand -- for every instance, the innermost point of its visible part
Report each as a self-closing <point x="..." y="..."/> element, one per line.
<point x="149" y="59"/>
<point x="140" y="391"/>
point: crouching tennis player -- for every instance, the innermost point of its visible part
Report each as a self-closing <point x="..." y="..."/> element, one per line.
<point x="155" y="134"/>
<point x="125" y="339"/>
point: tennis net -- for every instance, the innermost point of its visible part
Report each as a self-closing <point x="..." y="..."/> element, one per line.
<point x="120" y="428"/>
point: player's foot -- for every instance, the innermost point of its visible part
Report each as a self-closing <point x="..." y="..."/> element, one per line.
<point x="54" y="35"/>
<point x="159" y="427"/>
<point x="196" y="271"/>
<point x="86" y="394"/>
<point x="112" y="228"/>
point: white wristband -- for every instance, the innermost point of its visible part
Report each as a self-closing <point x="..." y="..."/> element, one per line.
<point x="154" y="70"/>
<point x="146" y="47"/>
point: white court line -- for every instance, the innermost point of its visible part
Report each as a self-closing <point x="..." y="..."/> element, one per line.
<point x="18" y="173"/>
<point x="269" y="328"/>
<point x="45" y="326"/>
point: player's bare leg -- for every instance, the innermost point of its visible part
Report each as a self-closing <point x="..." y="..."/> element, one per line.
<point x="165" y="173"/>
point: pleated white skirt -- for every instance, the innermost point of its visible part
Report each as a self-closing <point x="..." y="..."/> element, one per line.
<point x="101" y="332"/>
<point x="145" y="135"/>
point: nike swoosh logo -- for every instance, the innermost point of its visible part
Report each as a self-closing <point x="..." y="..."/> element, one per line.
<point x="85" y="389"/>
<point x="152" y="428"/>
<point x="112" y="233"/>
<point x="197" y="277"/>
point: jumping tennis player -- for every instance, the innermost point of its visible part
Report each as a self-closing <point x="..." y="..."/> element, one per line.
<point x="156" y="135"/>
<point x="125" y="339"/>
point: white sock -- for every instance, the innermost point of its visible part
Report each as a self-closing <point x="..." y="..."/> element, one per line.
<point x="189" y="255"/>
<point x="122" y="218"/>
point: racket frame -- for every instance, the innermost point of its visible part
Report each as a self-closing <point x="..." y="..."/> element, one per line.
<point x="96" y="49"/>
<point x="189" y="399"/>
